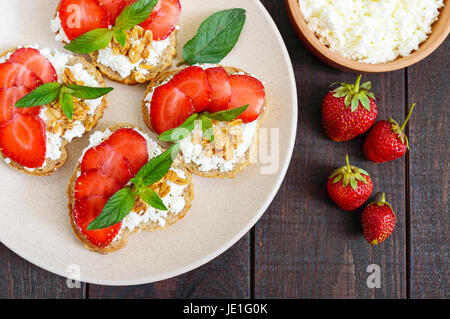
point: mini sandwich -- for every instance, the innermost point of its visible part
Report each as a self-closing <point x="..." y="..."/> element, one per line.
<point x="34" y="137"/>
<point x="214" y="113"/>
<point x="124" y="183"/>
<point x="141" y="52"/>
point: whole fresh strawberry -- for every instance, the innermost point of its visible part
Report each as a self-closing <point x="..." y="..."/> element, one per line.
<point x="386" y="140"/>
<point x="378" y="221"/>
<point x="349" y="186"/>
<point x="348" y="111"/>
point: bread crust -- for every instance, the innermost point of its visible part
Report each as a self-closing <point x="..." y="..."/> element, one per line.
<point x="149" y="226"/>
<point x="53" y="165"/>
<point x="192" y="167"/>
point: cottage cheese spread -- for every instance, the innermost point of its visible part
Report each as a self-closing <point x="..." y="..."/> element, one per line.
<point x="371" y="31"/>
<point x="122" y="65"/>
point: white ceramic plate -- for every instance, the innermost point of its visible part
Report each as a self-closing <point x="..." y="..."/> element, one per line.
<point x="33" y="215"/>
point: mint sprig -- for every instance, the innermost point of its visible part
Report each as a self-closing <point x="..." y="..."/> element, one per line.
<point x="183" y="131"/>
<point x="122" y="202"/>
<point x="98" y="39"/>
<point x="216" y="37"/>
<point x="50" y="92"/>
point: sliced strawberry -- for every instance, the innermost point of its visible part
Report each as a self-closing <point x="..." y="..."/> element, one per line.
<point x="193" y="82"/>
<point x="109" y="162"/>
<point x="36" y="63"/>
<point x="169" y="108"/>
<point x="86" y="211"/>
<point x="80" y="16"/>
<point x="23" y="140"/>
<point x="93" y="183"/>
<point x="8" y="98"/>
<point x="15" y="74"/>
<point x="114" y="8"/>
<point x="220" y="89"/>
<point x="247" y="90"/>
<point x="132" y="146"/>
<point x="163" y="20"/>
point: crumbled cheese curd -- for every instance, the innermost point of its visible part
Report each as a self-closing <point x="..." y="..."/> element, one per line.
<point x="195" y="153"/>
<point x="122" y="64"/>
<point x="371" y="31"/>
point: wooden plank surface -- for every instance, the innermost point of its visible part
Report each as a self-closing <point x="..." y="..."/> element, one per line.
<point x="305" y="247"/>
<point x="227" y="276"/>
<point x="21" y="279"/>
<point x="428" y="86"/>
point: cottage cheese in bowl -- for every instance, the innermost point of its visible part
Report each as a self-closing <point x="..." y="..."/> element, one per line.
<point x="371" y="31"/>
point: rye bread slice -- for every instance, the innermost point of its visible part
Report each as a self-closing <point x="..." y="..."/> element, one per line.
<point x="51" y="166"/>
<point x="171" y="219"/>
<point x="192" y="167"/>
<point x="165" y="62"/>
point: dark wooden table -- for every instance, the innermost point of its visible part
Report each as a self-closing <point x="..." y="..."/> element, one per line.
<point x="304" y="247"/>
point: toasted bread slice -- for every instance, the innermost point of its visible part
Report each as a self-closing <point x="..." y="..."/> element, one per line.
<point x="145" y="72"/>
<point x="243" y="162"/>
<point x="60" y="126"/>
<point x="140" y="208"/>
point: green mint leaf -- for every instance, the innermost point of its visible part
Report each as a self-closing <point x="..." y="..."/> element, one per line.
<point x="227" y="115"/>
<point x="121" y="37"/>
<point x="66" y="101"/>
<point x="207" y="127"/>
<point x="87" y="92"/>
<point x="180" y="132"/>
<point x="216" y="37"/>
<point x="44" y="94"/>
<point x="155" y="169"/>
<point x="362" y="96"/>
<point x="115" y="210"/>
<point x="150" y="197"/>
<point x="91" y="41"/>
<point x="134" y="14"/>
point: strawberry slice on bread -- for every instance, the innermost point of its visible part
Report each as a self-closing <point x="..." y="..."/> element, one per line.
<point x="23" y="140"/>
<point x="84" y="212"/>
<point x="163" y="20"/>
<point x="81" y="16"/>
<point x="170" y="107"/>
<point x="34" y="61"/>
<point x="247" y="90"/>
<point x="220" y="89"/>
<point x="114" y="158"/>
<point x="16" y="74"/>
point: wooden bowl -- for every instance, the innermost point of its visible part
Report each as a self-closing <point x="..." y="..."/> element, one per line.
<point x="440" y="31"/>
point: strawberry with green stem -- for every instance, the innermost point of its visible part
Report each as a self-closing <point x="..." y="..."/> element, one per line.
<point x="349" y="186"/>
<point x="386" y="141"/>
<point x="349" y="110"/>
<point x="378" y="221"/>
